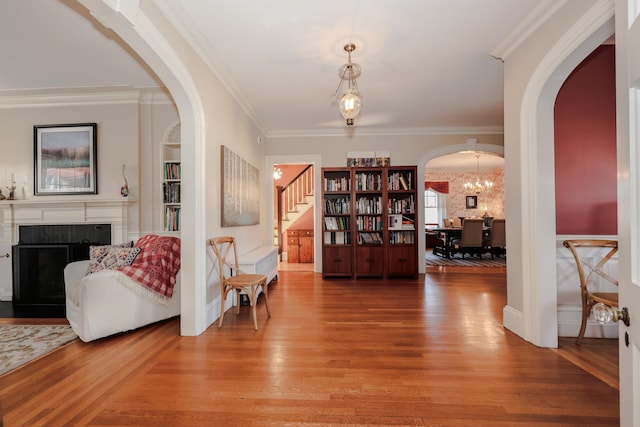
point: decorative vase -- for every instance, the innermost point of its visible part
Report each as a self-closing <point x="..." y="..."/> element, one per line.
<point x="124" y="190"/>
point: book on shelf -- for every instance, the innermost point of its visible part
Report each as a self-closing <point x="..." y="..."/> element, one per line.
<point x="171" y="192"/>
<point x="172" y="218"/>
<point x="172" y="170"/>
<point x="403" y="183"/>
<point x="401" y="237"/>
<point x="395" y="222"/>
<point x="336" y="223"/>
<point x="337" y="238"/>
<point x="407" y="223"/>
<point x="370" y="238"/>
<point x="330" y="223"/>
<point x="400" y="181"/>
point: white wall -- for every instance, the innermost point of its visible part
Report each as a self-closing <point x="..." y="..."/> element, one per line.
<point x="404" y="149"/>
<point x="569" y="296"/>
<point x="157" y="115"/>
<point x="211" y="118"/>
<point x="411" y="150"/>
<point x="117" y="143"/>
<point x="534" y="71"/>
<point x="117" y="139"/>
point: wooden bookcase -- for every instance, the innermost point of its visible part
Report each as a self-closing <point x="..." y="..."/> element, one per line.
<point x="337" y="223"/>
<point x="369" y="219"/>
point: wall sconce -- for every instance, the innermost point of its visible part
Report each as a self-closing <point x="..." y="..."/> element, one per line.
<point x="605" y="314"/>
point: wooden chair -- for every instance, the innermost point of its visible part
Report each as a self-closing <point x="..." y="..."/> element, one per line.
<point x="497" y="238"/>
<point x="232" y="279"/>
<point x="589" y="297"/>
<point x="470" y="240"/>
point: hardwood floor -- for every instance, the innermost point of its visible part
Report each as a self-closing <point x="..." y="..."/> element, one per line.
<point x="426" y="352"/>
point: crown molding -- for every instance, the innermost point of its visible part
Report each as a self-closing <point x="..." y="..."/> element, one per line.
<point x="363" y="131"/>
<point x="539" y="15"/>
<point x="80" y="97"/>
<point x="176" y="15"/>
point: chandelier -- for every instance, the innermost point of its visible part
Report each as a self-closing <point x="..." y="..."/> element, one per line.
<point x="478" y="186"/>
<point x="350" y="100"/>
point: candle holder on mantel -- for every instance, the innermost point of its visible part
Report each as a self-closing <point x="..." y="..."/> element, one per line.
<point x="12" y="191"/>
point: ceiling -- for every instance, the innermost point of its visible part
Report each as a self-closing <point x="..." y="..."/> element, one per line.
<point x="426" y="64"/>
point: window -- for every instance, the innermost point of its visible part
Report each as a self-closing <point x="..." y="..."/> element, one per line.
<point x="431" y="207"/>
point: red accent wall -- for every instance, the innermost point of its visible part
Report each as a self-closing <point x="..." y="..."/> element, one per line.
<point x="585" y="148"/>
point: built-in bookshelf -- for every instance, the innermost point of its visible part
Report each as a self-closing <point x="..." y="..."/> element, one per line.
<point x="369" y="219"/>
<point x="171" y="178"/>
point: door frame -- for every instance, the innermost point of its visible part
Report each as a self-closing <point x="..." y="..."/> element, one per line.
<point x="316" y="161"/>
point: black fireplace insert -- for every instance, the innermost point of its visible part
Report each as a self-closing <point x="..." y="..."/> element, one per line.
<point x="39" y="260"/>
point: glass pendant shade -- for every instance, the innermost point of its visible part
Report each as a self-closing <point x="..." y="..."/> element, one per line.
<point x="350" y="104"/>
<point x="350" y="101"/>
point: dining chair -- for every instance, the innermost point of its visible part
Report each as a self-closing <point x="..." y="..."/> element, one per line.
<point x="232" y="279"/>
<point x="470" y="240"/>
<point x="497" y="238"/>
<point x="592" y="274"/>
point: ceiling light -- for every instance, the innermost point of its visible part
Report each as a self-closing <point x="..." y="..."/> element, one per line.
<point x="478" y="186"/>
<point x="350" y="100"/>
<point x="277" y="173"/>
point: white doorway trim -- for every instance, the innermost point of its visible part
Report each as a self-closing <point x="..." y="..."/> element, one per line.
<point x="316" y="161"/>
<point x="535" y="270"/>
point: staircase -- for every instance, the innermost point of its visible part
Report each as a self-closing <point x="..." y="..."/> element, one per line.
<point x="293" y="201"/>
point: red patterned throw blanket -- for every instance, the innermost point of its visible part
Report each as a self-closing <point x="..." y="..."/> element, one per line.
<point x="157" y="265"/>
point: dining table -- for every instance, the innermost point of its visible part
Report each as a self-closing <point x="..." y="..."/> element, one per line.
<point x="448" y="234"/>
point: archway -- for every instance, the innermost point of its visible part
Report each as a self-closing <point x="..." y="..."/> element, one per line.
<point x="140" y="27"/>
<point x="531" y="311"/>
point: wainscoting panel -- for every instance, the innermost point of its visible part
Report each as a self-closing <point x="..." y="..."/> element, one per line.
<point x="569" y="299"/>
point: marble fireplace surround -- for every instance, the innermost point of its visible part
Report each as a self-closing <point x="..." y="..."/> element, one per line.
<point x="52" y="210"/>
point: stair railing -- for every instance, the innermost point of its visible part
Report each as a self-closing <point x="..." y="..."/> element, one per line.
<point x="290" y="195"/>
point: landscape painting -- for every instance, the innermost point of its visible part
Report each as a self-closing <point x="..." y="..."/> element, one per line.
<point x="65" y="159"/>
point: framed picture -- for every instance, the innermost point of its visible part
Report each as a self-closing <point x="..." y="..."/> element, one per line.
<point x="65" y="159"/>
<point x="472" y="202"/>
<point x="240" y="190"/>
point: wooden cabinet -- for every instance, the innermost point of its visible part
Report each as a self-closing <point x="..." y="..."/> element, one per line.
<point x="300" y="246"/>
<point x="402" y="261"/>
<point x="369" y="214"/>
<point x="336" y="261"/>
<point x="369" y="261"/>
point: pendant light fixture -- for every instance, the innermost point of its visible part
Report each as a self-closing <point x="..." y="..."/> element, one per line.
<point x="478" y="186"/>
<point x="350" y="100"/>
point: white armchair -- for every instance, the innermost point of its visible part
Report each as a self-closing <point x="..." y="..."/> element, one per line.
<point x="100" y="304"/>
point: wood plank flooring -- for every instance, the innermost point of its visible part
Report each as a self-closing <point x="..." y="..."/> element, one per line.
<point x="426" y="352"/>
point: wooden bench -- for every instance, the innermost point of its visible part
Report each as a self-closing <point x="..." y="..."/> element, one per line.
<point x="262" y="260"/>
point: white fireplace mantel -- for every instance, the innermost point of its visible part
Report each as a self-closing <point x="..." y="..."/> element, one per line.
<point x="55" y="210"/>
<point x="64" y="210"/>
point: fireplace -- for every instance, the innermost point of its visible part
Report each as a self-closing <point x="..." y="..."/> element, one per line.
<point x="39" y="259"/>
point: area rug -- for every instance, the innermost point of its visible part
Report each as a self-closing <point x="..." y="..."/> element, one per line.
<point x="457" y="261"/>
<point x="20" y="344"/>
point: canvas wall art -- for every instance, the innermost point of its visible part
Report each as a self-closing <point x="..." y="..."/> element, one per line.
<point x="240" y="191"/>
